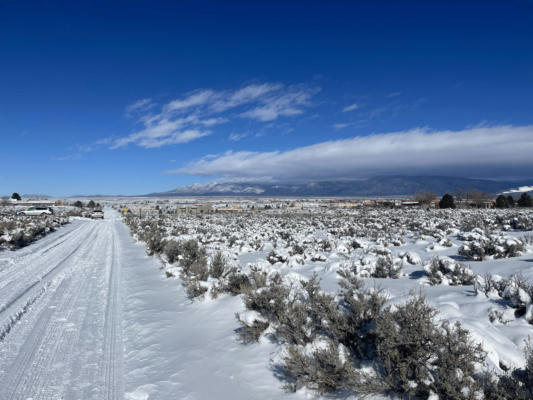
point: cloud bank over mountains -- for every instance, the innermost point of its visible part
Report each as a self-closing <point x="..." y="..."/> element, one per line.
<point x="486" y="151"/>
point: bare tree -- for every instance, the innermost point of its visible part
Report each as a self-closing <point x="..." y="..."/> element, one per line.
<point x="476" y="197"/>
<point x="425" y="197"/>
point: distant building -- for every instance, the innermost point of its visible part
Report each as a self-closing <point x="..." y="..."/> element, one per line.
<point x="194" y="209"/>
<point x="233" y="209"/>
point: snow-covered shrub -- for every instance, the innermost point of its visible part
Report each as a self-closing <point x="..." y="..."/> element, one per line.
<point x="478" y="246"/>
<point x="516" y="290"/>
<point x="447" y="271"/>
<point x="218" y="265"/>
<point x="421" y="357"/>
<point x="193" y="255"/>
<point x="321" y="368"/>
<point x="195" y="288"/>
<point x="237" y="282"/>
<point x="411" y="353"/>
<point x="275" y="257"/>
<point x="410" y="257"/>
<point x="522" y="222"/>
<point x="154" y="241"/>
<point x="258" y="277"/>
<point x="476" y="221"/>
<point x="382" y="266"/>
<point x="252" y="326"/>
<point x="20" y="231"/>
<point x="172" y="250"/>
<point x="387" y="267"/>
<point x="268" y="301"/>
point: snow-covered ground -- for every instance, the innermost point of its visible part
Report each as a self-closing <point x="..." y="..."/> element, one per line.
<point x="299" y="245"/>
<point x="86" y="313"/>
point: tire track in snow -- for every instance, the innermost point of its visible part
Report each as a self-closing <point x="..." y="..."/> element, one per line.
<point x="25" y="293"/>
<point x="68" y="344"/>
<point x="27" y="369"/>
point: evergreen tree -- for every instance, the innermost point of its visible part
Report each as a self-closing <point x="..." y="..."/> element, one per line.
<point x="447" y="201"/>
<point x="91" y="204"/>
<point x="78" y="204"/>
<point x="16" y="196"/>
<point x="510" y="201"/>
<point x="501" y="202"/>
<point x="525" y="200"/>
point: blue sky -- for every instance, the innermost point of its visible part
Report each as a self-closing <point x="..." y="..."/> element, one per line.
<point x="135" y="97"/>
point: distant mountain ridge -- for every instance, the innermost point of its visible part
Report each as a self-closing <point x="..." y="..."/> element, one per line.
<point x="377" y="186"/>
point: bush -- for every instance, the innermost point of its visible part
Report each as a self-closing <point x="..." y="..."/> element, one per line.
<point x="323" y="370"/>
<point x="479" y="247"/>
<point x="420" y="357"/>
<point x="218" y="265"/>
<point x="172" y="250"/>
<point x="192" y="253"/>
<point x="444" y="270"/>
<point x="250" y="333"/>
<point x="237" y="282"/>
<point x="195" y="289"/>
<point x="386" y="267"/>
<point x="413" y="354"/>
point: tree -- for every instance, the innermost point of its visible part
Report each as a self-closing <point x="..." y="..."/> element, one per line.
<point x="447" y="201"/>
<point x="476" y="197"/>
<point x="78" y="204"/>
<point x="16" y="196"/>
<point x="91" y="204"/>
<point x="525" y="201"/>
<point x="501" y="202"/>
<point x="425" y="197"/>
<point x="510" y="201"/>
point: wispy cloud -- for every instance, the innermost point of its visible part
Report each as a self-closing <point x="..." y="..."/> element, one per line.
<point x="189" y="117"/>
<point x="235" y="137"/>
<point x="284" y="105"/>
<point x="351" y="107"/>
<point x="478" y="151"/>
<point x="341" y="125"/>
<point x="393" y="94"/>
<point x="140" y="106"/>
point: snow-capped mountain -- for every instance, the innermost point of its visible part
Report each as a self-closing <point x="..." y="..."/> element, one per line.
<point x="377" y="186"/>
<point x="216" y="188"/>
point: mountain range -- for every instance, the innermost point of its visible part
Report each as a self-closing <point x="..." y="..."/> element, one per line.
<point x="376" y="186"/>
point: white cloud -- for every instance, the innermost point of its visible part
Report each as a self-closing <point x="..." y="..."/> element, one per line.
<point x="478" y="151"/>
<point x="235" y="137"/>
<point x="202" y="109"/>
<point x="245" y="95"/>
<point x="341" y="125"/>
<point x="351" y="107"/>
<point x="198" y="98"/>
<point x="139" y="105"/>
<point x="284" y="105"/>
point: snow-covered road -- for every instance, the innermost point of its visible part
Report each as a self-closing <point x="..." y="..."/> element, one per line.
<point x="60" y="315"/>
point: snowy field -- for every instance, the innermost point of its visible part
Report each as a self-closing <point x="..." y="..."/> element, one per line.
<point x="474" y="267"/>
<point x="95" y="310"/>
